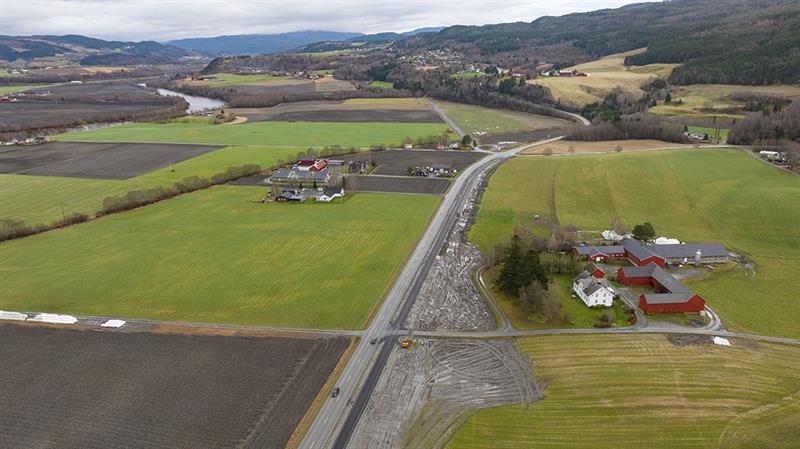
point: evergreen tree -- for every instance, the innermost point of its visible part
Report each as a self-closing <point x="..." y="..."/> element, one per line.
<point x="508" y="280"/>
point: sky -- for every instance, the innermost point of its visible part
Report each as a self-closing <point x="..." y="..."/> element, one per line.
<point x="163" y="20"/>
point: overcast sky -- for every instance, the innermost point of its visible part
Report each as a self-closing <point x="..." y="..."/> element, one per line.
<point x="172" y="19"/>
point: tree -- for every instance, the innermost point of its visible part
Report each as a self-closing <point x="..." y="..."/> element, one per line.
<point x="668" y="98"/>
<point x="508" y="280"/>
<point x="466" y="141"/>
<point x="644" y="232"/>
<point x="547" y="151"/>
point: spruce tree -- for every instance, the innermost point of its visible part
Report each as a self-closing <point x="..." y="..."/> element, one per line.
<point x="508" y="280"/>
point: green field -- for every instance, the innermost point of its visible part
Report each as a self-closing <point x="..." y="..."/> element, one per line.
<point x="4" y="90"/>
<point x="212" y="256"/>
<point x="39" y="199"/>
<point x="634" y="392"/>
<point x="275" y="134"/>
<point x="695" y="195"/>
<point x="382" y="84"/>
<point x="714" y="100"/>
<point x="477" y="119"/>
<point x="232" y="79"/>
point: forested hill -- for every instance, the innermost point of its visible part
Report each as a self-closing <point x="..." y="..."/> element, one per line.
<point x="717" y="41"/>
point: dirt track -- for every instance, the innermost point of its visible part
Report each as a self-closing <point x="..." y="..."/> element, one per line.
<point x="95" y="160"/>
<point x="105" y="390"/>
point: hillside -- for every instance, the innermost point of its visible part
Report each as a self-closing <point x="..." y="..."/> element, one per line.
<point x="251" y="44"/>
<point x="88" y="51"/>
<point x="716" y="41"/>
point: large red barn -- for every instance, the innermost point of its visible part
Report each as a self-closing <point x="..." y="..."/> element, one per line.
<point x="670" y="295"/>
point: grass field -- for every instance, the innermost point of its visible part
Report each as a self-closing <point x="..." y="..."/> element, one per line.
<point x="382" y="84"/>
<point x="623" y="392"/>
<point x="696" y="195"/>
<point x="39" y="199"/>
<point x="605" y="75"/>
<point x="711" y="132"/>
<point x="582" y="316"/>
<point x="696" y="97"/>
<point x="477" y="119"/>
<point x="232" y="79"/>
<point x="4" y="90"/>
<point x="274" y="134"/>
<point x="601" y="146"/>
<point x="212" y="256"/>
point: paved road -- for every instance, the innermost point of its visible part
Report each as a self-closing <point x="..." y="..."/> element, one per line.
<point x="338" y="416"/>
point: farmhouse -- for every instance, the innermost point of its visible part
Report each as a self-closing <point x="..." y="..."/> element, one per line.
<point x="641" y="255"/>
<point x="329" y="194"/>
<point x="592" y="291"/>
<point x="670" y="295"/>
<point x="297" y="176"/>
<point x="311" y="163"/>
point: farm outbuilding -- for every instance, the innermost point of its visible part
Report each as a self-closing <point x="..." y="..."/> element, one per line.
<point x="669" y="294"/>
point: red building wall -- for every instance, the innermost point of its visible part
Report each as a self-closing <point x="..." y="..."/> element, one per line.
<point x="694" y="305"/>
<point x="631" y="280"/>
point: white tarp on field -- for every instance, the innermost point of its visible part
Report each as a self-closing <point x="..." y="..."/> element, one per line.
<point x="54" y="318"/>
<point x="113" y="323"/>
<point x="667" y="241"/>
<point x="13" y="316"/>
<point x="614" y="237"/>
<point x="721" y="341"/>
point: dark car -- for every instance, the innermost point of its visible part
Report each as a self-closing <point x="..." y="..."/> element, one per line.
<point x="335" y="392"/>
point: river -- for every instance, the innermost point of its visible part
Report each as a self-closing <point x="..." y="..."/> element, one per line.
<point x="196" y="104"/>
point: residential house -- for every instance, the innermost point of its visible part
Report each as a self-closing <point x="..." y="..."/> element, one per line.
<point x="329" y="194"/>
<point x="592" y="291"/>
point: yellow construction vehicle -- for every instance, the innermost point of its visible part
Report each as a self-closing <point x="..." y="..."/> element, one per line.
<point x="405" y="342"/>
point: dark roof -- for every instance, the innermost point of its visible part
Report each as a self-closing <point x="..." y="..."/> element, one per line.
<point x="585" y="274"/>
<point x="595" y="250"/>
<point x="668" y="281"/>
<point x="667" y="298"/>
<point x="638" y="250"/>
<point x="688" y="250"/>
<point x="330" y="191"/>
<point x="306" y="158"/>
<point x="592" y="288"/>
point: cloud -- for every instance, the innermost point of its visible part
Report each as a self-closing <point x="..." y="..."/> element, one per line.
<point x="172" y="19"/>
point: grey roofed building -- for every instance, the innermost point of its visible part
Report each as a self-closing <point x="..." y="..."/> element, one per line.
<point x="667" y="298"/>
<point x="585" y="274"/>
<point x="652" y="270"/>
<point x="289" y="175"/>
<point x="638" y="250"/>
<point x="607" y="250"/>
<point x="688" y="251"/>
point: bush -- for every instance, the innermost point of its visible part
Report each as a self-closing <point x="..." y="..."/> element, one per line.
<point x="71" y="220"/>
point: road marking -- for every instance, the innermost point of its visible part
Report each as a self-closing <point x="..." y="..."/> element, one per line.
<point x="323" y="422"/>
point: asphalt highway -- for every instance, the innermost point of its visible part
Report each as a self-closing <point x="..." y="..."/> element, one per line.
<point x="338" y="416"/>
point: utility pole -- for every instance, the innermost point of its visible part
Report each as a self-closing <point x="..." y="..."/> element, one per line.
<point x="63" y="214"/>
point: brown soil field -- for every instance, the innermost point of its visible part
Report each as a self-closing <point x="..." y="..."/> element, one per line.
<point x="396" y="162"/>
<point x="528" y="136"/>
<point x="117" y="91"/>
<point x="95" y="160"/>
<point x="43" y="114"/>
<point x="394" y="184"/>
<point x="105" y="390"/>
<point x="403" y="110"/>
<point x="606" y="146"/>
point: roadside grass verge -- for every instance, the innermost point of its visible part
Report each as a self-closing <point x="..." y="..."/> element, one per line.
<point x="212" y="256"/>
<point x="273" y="133"/>
<point x="642" y="391"/>
<point x="717" y="195"/>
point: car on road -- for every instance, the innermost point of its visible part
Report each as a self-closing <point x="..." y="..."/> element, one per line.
<point x="335" y="392"/>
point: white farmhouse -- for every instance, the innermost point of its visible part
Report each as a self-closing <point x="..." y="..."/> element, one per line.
<point x="592" y="291"/>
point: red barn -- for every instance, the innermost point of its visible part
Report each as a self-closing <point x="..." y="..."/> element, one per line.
<point x="639" y="255"/>
<point x="669" y="294"/>
<point x="595" y="271"/>
<point x="671" y="303"/>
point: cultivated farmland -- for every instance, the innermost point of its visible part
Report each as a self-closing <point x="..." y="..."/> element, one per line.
<point x="605" y="75"/>
<point x="646" y="392"/>
<point x="499" y="122"/>
<point x="213" y="256"/>
<point x="94" y="160"/>
<point x="396" y="162"/>
<point x="276" y="134"/>
<point x="402" y="110"/>
<point x="80" y="389"/>
<point x="694" y="195"/>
